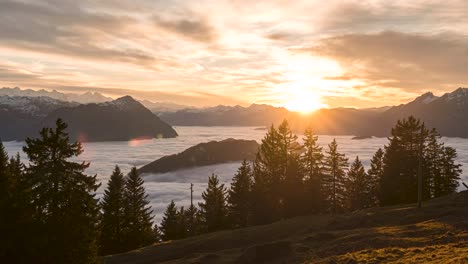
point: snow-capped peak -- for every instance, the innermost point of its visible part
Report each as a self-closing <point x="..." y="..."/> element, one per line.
<point x="426" y="98"/>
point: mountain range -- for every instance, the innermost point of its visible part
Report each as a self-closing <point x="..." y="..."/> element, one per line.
<point x="447" y="113"/>
<point x="118" y="120"/>
<point x="87" y="98"/>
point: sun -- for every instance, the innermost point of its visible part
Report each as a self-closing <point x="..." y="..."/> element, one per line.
<point x="303" y="101"/>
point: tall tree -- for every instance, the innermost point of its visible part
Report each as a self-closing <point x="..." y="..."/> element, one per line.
<point x="169" y="223"/>
<point x="213" y="208"/>
<point x="182" y="223"/>
<point x="65" y="208"/>
<point x="6" y="189"/>
<point x="293" y="188"/>
<point x="240" y="196"/>
<point x="334" y="180"/>
<point x="359" y="186"/>
<point x="375" y="173"/>
<point x="398" y="183"/>
<point x="312" y="160"/>
<point x="112" y="223"/>
<point x="138" y="223"/>
<point x="450" y="172"/>
<point x="270" y="172"/>
<point x="193" y="220"/>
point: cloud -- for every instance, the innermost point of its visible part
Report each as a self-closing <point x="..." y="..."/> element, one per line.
<point x="410" y="61"/>
<point x="191" y="28"/>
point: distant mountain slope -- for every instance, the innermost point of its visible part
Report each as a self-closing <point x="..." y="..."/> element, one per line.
<point x="448" y="114"/>
<point x="84" y="98"/>
<point x="204" y="154"/>
<point x="254" y="115"/>
<point x="21" y="116"/>
<point x="118" y="120"/>
<point x="87" y="98"/>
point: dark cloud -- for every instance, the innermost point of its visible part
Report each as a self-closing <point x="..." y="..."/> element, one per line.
<point x="192" y="28"/>
<point x="67" y="28"/>
<point x="401" y="60"/>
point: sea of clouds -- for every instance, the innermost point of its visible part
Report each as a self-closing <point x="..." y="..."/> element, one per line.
<point x="164" y="187"/>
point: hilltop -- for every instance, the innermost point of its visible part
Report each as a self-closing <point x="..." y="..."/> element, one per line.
<point x="436" y="233"/>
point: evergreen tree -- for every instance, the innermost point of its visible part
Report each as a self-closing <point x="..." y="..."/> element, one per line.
<point x="65" y="208"/>
<point x="156" y="234"/>
<point x="293" y="188"/>
<point x="112" y="224"/>
<point x="432" y="167"/>
<point x="375" y="174"/>
<point x="240" y="196"/>
<point x="138" y="223"/>
<point x="312" y="160"/>
<point x="181" y="223"/>
<point x="169" y="223"/>
<point x="193" y="222"/>
<point x="213" y="209"/>
<point x="334" y="181"/>
<point x="359" y="186"/>
<point x="450" y="172"/>
<point x="6" y="190"/>
<point x="270" y="172"/>
<point x="398" y="184"/>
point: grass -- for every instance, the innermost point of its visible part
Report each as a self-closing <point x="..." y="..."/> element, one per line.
<point x="436" y="233"/>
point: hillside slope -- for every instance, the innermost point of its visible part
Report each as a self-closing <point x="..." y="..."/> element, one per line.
<point x="437" y="233"/>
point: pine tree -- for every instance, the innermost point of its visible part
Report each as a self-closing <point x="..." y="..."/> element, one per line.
<point x="359" y="187"/>
<point x="270" y="172"/>
<point x="138" y="225"/>
<point x="193" y="221"/>
<point x="240" y="195"/>
<point x="156" y="234"/>
<point x="293" y="188"/>
<point x="6" y="189"/>
<point x="181" y="223"/>
<point x="65" y="208"/>
<point x="312" y="160"/>
<point x="398" y="184"/>
<point x="169" y="223"/>
<point x="375" y="174"/>
<point x="112" y="224"/>
<point x="334" y="181"/>
<point x="432" y="167"/>
<point x="450" y="172"/>
<point x="213" y="209"/>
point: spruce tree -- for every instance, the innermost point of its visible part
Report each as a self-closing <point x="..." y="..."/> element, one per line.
<point x="168" y="226"/>
<point x="450" y="172"/>
<point x="181" y="223"/>
<point x="193" y="220"/>
<point x="312" y="160"/>
<point x="432" y="167"/>
<point x="359" y="186"/>
<point x="375" y="173"/>
<point x="65" y="208"/>
<point x="270" y="172"/>
<point x="138" y="225"/>
<point x="112" y="223"/>
<point x="213" y="209"/>
<point x="240" y="196"/>
<point x="334" y="180"/>
<point x="6" y="189"/>
<point x="398" y="184"/>
<point x="293" y="188"/>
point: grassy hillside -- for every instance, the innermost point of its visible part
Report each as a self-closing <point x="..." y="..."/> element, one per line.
<point x="437" y="233"/>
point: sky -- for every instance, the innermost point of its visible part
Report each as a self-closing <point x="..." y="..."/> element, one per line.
<point x="299" y="54"/>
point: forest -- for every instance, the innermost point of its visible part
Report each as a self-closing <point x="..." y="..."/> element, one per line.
<point x="50" y="212"/>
